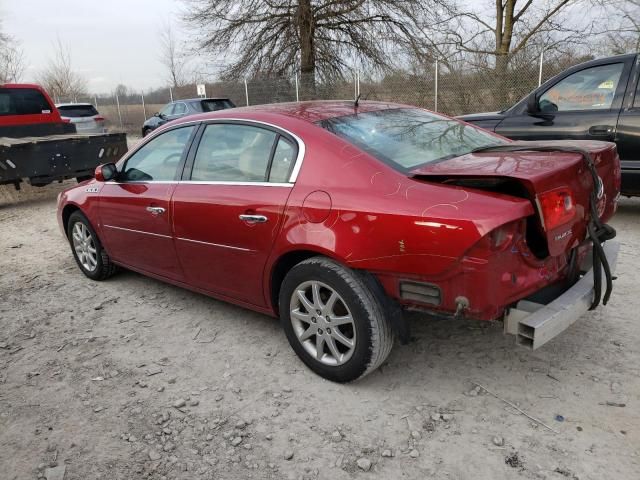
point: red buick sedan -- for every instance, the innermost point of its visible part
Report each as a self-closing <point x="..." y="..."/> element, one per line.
<point x="336" y="216"/>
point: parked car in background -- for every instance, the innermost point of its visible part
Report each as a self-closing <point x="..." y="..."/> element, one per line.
<point x="335" y="216"/>
<point x="182" y="108"/>
<point x="84" y="116"/>
<point x="596" y="100"/>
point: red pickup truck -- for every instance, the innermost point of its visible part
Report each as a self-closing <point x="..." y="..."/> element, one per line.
<point x="38" y="146"/>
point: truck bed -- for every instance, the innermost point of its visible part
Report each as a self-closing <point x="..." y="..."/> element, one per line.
<point x="42" y="160"/>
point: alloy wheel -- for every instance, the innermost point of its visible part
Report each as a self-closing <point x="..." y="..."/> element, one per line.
<point x="323" y="323"/>
<point x="85" y="247"/>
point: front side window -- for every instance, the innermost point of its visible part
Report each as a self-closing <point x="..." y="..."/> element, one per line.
<point x="589" y="89"/>
<point x="23" y="101"/>
<point x="406" y="138"/>
<point x="158" y="159"/>
<point x="167" y="110"/>
<point x="180" y="109"/>
<point x="233" y="153"/>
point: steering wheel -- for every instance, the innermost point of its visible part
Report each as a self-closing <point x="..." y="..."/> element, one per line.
<point x="169" y="159"/>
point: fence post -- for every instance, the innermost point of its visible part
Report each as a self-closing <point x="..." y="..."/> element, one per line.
<point x="358" y="83"/>
<point x="171" y="94"/>
<point x="144" y="108"/>
<point x="246" y="91"/>
<point x="297" y="91"/>
<point x="435" y="99"/>
<point x="95" y="101"/>
<point x="119" y="113"/>
<point x="540" y="72"/>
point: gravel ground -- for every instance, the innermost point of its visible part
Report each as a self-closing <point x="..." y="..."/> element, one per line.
<point x="131" y="378"/>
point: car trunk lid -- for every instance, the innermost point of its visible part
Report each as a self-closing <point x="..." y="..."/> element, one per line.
<point x="558" y="183"/>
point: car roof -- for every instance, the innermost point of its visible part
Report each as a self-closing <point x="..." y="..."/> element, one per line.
<point x="87" y="104"/>
<point x="200" y="99"/>
<point x="312" y="111"/>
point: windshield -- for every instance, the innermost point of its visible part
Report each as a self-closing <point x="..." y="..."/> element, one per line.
<point x="406" y="138"/>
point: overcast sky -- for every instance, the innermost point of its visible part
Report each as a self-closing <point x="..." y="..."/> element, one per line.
<point x="111" y="41"/>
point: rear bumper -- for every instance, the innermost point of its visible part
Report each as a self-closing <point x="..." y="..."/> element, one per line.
<point x="535" y="324"/>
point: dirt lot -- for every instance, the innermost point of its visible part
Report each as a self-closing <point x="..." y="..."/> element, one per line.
<point x="91" y="375"/>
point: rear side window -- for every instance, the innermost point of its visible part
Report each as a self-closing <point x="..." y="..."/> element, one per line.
<point x="77" y="110"/>
<point x="215" y="105"/>
<point x="23" y="101"/>
<point x="283" y="159"/>
<point x="233" y="153"/>
<point x="158" y="159"/>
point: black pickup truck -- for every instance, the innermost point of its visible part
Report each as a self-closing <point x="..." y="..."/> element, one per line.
<point x="38" y="146"/>
<point x="596" y="100"/>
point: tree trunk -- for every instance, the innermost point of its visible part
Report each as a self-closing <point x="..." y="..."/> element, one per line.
<point x="504" y="35"/>
<point x="306" y="32"/>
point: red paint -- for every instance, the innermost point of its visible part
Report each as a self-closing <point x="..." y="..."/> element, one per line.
<point x="351" y="207"/>
<point x="52" y="117"/>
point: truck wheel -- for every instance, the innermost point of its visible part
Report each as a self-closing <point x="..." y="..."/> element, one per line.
<point x="333" y="321"/>
<point x="87" y="249"/>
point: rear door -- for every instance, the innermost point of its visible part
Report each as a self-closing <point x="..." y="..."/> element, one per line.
<point x="229" y="210"/>
<point x="582" y="105"/>
<point x="628" y="136"/>
<point x="135" y="210"/>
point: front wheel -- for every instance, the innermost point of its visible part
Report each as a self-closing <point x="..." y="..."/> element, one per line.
<point x="333" y="321"/>
<point x="87" y="249"/>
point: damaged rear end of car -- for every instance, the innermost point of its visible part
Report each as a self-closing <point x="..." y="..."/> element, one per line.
<point x="526" y="231"/>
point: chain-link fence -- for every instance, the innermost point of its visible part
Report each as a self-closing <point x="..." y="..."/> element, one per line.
<point x="443" y="86"/>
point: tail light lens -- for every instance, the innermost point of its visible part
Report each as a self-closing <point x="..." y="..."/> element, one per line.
<point x="503" y="236"/>
<point x="557" y="207"/>
<point x="66" y="120"/>
<point x="99" y="119"/>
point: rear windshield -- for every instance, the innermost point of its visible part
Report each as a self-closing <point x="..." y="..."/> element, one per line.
<point x="406" y="138"/>
<point x="23" y="101"/>
<point x="214" y="105"/>
<point x="77" y="110"/>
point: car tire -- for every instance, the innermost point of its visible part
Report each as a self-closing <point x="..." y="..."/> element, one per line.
<point x="146" y="132"/>
<point x="87" y="249"/>
<point x="349" y="324"/>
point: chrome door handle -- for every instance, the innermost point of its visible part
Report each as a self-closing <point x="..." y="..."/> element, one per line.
<point x="155" y="210"/>
<point x="253" y="218"/>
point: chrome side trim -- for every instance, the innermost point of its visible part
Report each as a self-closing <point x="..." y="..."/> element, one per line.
<point x="214" y="244"/>
<point x="136" y="231"/>
<point x="197" y="182"/>
<point x="296" y="167"/>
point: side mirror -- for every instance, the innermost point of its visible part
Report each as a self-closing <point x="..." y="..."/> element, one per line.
<point x="106" y="172"/>
<point x="532" y="104"/>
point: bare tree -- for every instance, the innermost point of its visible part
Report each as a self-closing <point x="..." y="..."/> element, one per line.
<point x="321" y="38"/>
<point x="172" y="57"/>
<point x="59" y="78"/>
<point x="623" y="36"/>
<point x="512" y="26"/>
<point x="12" y="64"/>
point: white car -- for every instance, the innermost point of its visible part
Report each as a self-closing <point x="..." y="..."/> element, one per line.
<point x="84" y="116"/>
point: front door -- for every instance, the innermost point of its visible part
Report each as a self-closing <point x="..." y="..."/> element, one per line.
<point x="135" y="210"/>
<point x="229" y="211"/>
<point x="584" y="105"/>
<point x="628" y="140"/>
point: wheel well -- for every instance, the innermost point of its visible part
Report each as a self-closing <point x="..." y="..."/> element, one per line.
<point x="66" y="213"/>
<point x="282" y="267"/>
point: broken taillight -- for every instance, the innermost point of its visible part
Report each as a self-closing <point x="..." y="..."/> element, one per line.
<point x="557" y="207"/>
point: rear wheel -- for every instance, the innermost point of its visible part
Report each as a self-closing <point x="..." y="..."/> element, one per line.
<point x="87" y="249"/>
<point x="333" y="321"/>
<point x="146" y="132"/>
